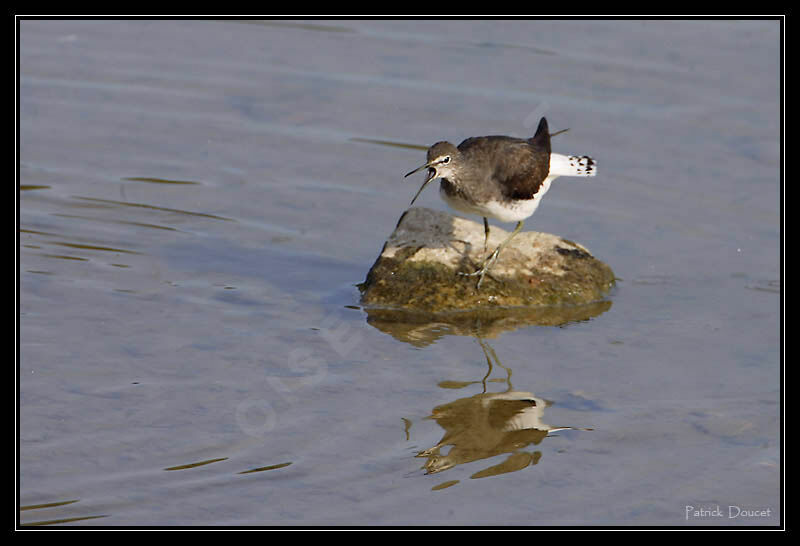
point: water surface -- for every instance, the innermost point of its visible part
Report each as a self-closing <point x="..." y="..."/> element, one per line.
<point x="198" y="199"/>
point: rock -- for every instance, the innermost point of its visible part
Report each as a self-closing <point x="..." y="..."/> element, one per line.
<point x="417" y="269"/>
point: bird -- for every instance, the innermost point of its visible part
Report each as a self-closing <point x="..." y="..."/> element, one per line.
<point x="499" y="177"/>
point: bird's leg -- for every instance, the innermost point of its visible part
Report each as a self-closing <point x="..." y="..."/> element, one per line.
<point x="486" y="232"/>
<point x="489" y="262"/>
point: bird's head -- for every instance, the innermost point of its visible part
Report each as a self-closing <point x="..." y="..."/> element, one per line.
<point x="442" y="159"/>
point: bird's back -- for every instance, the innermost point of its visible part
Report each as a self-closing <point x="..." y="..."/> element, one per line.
<point x="519" y="166"/>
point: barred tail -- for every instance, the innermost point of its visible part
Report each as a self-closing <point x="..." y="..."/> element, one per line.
<point x="572" y="165"/>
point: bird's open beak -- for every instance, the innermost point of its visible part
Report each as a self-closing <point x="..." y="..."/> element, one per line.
<point x="431" y="176"/>
<point x="417" y="169"/>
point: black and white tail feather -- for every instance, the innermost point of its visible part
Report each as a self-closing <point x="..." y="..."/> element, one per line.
<point x="572" y="165"/>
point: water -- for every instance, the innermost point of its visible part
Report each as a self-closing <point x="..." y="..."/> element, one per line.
<point x="198" y="199"/>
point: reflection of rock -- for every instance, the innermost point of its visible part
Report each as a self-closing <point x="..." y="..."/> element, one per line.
<point x="417" y="269"/>
<point x="422" y="328"/>
<point x="489" y="424"/>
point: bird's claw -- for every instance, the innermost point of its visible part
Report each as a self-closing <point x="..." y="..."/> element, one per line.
<point x="481" y="273"/>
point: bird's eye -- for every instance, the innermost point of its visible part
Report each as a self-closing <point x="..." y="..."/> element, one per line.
<point x="446" y="160"/>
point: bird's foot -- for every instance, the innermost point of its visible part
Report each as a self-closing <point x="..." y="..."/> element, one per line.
<point x="481" y="273"/>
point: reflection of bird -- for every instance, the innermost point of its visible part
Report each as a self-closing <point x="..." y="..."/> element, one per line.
<point x="499" y="177"/>
<point x="489" y="424"/>
<point x="486" y="425"/>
